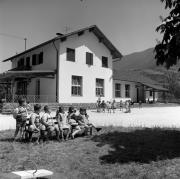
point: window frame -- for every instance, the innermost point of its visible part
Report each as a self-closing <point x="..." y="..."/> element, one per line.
<point x="79" y="86"/>
<point x="70" y="58"/>
<point x="100" y="88"/>
<point x="117" y="90"/>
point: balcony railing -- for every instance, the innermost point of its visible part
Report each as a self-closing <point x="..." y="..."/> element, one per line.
<point x="21" y="68"/>
<point x="31" y="98"/>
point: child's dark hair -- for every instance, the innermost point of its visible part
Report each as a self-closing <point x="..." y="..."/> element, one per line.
<point x="71" y="109"/>
<point x="61" y="109"/>
<point x="37" y="107"/>
<point x="21" y="101"/>
<point x="46" y="108"/>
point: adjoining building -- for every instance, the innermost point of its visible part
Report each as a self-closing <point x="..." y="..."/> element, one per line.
<point x="132" y="85"/>
<point x="72" y="68"/>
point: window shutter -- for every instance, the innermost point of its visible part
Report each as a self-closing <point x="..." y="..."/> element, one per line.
<point x="34" y="59"/>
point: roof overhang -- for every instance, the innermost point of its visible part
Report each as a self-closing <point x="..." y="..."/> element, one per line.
<point x="155" y="87"/>
<point x="94" y="29"/>
<point x="9" y="75"/>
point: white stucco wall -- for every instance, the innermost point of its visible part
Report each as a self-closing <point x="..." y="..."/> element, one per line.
<point x="133" y="90"/>
<point x="87" y="42"/>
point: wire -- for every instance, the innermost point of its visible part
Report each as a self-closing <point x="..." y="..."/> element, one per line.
<point x="13" y="36"/>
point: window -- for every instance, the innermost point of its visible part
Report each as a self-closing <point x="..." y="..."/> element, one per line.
<point x="89" y="58"/>
<point x="105" y="62"/>
<point x="117" y="90"/>
<point x="38" y="88"/>
<point x="127" y="91"/>
<point x="150" y="93"/>
<point x="99" y="87"/>
<point x="34" y="59"/>
<point x="40" y="58"/>
<point x="70" y="54"/>
<point x="76" y="88"/>
<point x="28" y="61"/>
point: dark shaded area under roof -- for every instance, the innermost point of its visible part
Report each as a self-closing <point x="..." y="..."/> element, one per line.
<point x="99" y="34"/>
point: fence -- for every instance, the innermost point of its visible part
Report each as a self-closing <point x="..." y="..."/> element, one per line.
<point x="31" y="98"/>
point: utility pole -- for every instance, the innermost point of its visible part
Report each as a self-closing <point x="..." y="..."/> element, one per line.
<point x="25" y="40"/>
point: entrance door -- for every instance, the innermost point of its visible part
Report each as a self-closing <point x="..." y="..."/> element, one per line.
<point x="22" y="87"/>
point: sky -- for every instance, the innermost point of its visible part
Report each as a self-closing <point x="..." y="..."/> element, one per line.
<point x="129" y="24"/>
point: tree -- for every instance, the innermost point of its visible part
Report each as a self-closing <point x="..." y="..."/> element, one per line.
<point x="172" y="80"/>
<point x="167" y="51"/>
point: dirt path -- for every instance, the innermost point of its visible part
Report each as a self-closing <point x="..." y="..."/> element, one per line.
<point x="145" y="117"/>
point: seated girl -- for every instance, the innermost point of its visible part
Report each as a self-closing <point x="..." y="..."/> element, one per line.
<point x="34" y="123"/>
<point x="72" y="116"/>
<point x="63" y="123"/>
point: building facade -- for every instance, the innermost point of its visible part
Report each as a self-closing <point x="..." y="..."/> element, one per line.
<point x="72" y="68"/>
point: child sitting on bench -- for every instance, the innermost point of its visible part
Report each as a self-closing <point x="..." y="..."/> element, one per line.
<point x="63" y="123"/>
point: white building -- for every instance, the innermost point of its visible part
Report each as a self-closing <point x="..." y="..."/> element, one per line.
<point x="134" y="86"/>
<point x="70" y="68"/>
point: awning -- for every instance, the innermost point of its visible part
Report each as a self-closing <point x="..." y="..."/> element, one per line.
<point x="9" y="75"/>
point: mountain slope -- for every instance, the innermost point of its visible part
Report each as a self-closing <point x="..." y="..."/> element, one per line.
<point x="145" y="64"/>
<point x="137" y="60"/>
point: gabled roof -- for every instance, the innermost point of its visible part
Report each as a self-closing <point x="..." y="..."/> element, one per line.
<point x="99" y="34"/>
<point x="136" y="76"/>
<point x="132" y="76"/>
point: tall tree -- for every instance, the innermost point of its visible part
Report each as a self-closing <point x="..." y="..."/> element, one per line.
<point x="167" y="51"/>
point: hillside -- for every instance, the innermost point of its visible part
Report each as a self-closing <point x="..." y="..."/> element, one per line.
<point x="137" y="60"/>
<point x="143" y="62"/>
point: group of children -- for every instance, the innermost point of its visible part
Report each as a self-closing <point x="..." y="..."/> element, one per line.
<point x="30" y="124"/>
<point x="102" y="106"/>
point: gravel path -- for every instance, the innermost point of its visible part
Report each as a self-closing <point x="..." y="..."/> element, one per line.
<point x="145" y="117"/>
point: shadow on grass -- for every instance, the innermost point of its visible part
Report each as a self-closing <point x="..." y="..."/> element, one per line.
<point x="141" y="146"/>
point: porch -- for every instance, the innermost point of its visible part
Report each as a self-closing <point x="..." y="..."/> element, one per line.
<point x="18" y="85"/>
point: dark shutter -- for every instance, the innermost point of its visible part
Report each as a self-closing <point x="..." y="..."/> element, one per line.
<point x="70" y="54"/>
<point x="89" y="58"/>
<point x="41" y="58"/>
<point x="28" y="61"/>
<point x="34" y="59"/>
<point x="105" y="62"/>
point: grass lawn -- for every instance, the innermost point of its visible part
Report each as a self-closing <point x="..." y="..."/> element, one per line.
<point x="113" y="153"/>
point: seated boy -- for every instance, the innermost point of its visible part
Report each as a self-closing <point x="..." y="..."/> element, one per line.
<point x="34" y="123"/>
<point x="21" y="115"/>
<point x="83" y="121"/>
<point x="48" y="123"/>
